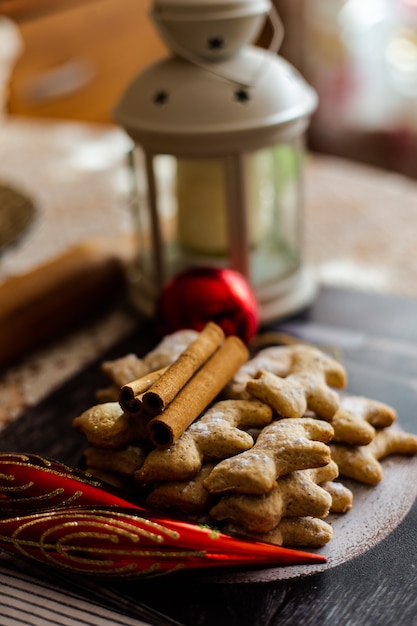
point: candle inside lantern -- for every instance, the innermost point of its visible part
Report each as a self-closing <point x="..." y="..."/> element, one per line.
<point x="201" y="199"/>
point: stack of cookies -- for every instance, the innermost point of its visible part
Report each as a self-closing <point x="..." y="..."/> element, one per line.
<point x="257" y="446"/>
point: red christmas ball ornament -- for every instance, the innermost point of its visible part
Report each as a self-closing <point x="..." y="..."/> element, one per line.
<point x="202" y="294"/>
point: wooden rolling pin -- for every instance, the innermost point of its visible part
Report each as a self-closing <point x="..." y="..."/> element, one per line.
<point x="36" y="307"/>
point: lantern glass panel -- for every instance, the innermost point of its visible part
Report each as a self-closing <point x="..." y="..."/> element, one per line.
<point x="155" y="232"/>
<point x="277" y="253"/>
<point x="189" y="224"/>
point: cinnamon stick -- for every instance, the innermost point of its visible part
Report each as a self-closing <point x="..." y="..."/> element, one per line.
<point x="164" y="390"/>
<point x="197" y="394"/>
<point x="130" y="394"/>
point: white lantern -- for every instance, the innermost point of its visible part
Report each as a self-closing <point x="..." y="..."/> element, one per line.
<point x="218" y="128"/>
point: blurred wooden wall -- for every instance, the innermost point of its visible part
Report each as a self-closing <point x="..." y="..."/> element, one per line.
<point x="78" y="56"/>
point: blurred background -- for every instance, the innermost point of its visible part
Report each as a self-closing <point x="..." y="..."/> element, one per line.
<point x="77" y="56"/>
<point x="65" y="219"/>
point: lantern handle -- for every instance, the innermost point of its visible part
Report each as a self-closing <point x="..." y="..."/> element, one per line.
<point x="213" y="68"/>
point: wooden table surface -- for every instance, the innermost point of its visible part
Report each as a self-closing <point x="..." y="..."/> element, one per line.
<point x="360" y="226"/>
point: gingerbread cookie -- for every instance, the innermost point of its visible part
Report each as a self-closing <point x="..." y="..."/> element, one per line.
<point x="282" y="447"/>
<point x="187" y="496"/>
<point x="106" y="426"/>
<point x="275" y="359"/>
<point x="130" y="367"/>
<point x="125" y="461"/>
<point x="307" y="386"/>
<point x="296" y="494"/>
<point x="219" y="433"/>
<point x="362" y="462"/>
<point x="342" y="497"/>
<point x="308" y="532"/>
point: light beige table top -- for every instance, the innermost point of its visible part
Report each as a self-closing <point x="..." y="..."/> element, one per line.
<point x="360" y="226"/>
